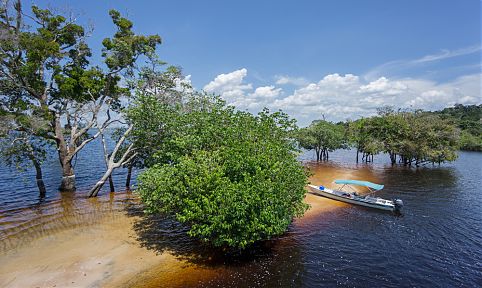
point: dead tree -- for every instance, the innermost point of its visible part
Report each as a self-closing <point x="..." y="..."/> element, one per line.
<point x="111" y="164"/>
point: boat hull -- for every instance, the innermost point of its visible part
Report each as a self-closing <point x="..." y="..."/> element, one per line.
<point x="330" y="194"/>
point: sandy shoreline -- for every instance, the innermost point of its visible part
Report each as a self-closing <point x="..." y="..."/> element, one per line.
<point x="105" y="254"/>
<point x="108" y="253"/>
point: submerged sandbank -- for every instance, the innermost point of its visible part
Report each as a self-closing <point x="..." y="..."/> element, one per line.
<point x="105" y="250"/>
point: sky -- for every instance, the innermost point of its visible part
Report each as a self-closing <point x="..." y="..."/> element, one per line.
<point x="336" y="59"/>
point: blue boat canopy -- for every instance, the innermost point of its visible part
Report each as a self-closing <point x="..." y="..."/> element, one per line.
<point x="360" y="183"/>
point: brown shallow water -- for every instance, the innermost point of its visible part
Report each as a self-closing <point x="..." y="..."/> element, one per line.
<point x="72" y="241"/>
<point x="79" y="242"/>
<point x="83" y="243"/>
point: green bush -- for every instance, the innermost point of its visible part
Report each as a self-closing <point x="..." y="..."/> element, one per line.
<point x="238" y="182"/>
<point x="470" y="142"/>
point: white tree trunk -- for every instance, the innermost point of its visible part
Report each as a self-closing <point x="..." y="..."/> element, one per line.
<point x="128" y="155"/>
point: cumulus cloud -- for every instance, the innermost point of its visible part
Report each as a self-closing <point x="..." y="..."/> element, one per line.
<point x="233" y="88"/>
<point x="384" y="86"/>
<point x="184" y="84"/>
<point x="347" y="97"/>
<point x="341" y="97"/>
<point x="229" y="85"/>
<point x="266" y="92"/>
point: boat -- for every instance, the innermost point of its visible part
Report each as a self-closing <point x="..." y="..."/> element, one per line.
<point x="353" y="197"/>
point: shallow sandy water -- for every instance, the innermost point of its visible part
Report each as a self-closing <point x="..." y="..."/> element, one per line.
<point x="101" y="248"/>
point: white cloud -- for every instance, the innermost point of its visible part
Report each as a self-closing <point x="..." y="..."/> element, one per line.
<point x="297" y="81"/>
<point x="266" y="92"/>
<point x="347" y="97"/>
<point x="232" y="87"/>
<point x="229" y="85"/>
<point x="184" y="84"/>
<point x="341" y="97"/>
<point x="384" y="86"/>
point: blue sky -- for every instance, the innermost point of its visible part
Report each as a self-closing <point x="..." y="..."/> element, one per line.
<point x="319" y="57"/>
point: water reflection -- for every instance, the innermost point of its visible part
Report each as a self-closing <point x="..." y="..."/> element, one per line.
<point x="275" y="263"/>
<point x="164" y="234"/>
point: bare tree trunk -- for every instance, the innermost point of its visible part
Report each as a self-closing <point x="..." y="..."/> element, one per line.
<point x="393" y="157"/>
<point x="110" y="161"/>
<point x="68" y="175"/>
<point x="39" y="178"/>
<point x="357" y="151"/>
<point x="95" y="190"/>
<point x="78" y="129"/>
<point x="111" y="184"/>
<point x="128" y="178"/>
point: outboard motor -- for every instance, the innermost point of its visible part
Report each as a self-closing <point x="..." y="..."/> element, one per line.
<point x="398" y="204"/>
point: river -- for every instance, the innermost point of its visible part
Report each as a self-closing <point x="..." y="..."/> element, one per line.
<point x="436" y="242"/>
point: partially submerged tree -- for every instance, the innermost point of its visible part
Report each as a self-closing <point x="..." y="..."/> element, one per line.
<point x="323" y="137"/>
<point x="231" y="177"/>
<point x="111" y="160"/>
<point x="19" y="149"/>
<point x="412" y="137"/>
<point x="22" y="151"/>
<point x="45" y="70"/>
<point x="165" y="87"/>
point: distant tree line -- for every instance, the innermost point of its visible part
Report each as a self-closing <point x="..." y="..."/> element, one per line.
<point x="468" y="118"/>
<point x="407" y="137"/>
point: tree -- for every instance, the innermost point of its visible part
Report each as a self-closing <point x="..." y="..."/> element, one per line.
<point x="359" y="136"/>
<point x="45" y="72"/>
<point x="22" y="152"/>
<point x="111" y="162"/>
<point x="164" y="86"/>
<point x="323" y="137"/>
<point x="414" y="137"/>
<point x="232" y="177"/>
<point x="468" y="118"/>
<point x="19" y="149"/>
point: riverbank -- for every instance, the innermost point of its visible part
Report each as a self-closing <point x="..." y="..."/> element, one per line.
<point x="108" y="253"/>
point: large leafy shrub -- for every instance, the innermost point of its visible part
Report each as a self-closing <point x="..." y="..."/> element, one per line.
<point x="232" y="177"/>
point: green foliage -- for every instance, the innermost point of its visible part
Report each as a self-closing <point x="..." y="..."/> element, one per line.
<point x="469" y="119"/>
<point x="361" y="134"/>
<point x="470" y="142"/>
<point x="46" y="75"/>
<point x="232" y="177"/>
<point x="323" y="137"/>
<point x="20" y="151"/>
<point x="414" y="137"/>
<point x="125" y="47"/>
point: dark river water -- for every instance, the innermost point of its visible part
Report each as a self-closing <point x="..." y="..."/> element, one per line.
<point x="436" y="242"/>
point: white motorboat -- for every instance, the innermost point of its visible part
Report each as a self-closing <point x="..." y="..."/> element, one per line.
<point x="353" y="197"/>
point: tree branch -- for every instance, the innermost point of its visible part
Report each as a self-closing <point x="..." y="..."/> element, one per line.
<point x="121" y="140"/>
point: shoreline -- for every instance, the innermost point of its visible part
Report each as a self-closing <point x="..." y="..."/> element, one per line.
<point x="107" y="253"/>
